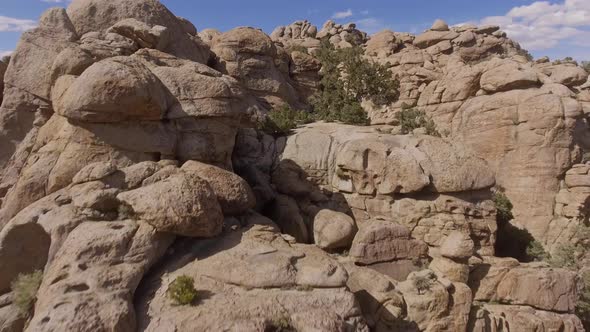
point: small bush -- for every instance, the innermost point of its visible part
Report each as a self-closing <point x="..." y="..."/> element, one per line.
<point x="586" y="65"/>
<point x="503" y="206"/>
<point x="281" y="324"/>
<point x="536" y="252"/>
<point x="410" y="119"/>
<point x="422" y="284"/>
<point x="182" y="290"/>
<point x="24" y="289"/>
<point x="565" y="256"/>
<point x="348" y="78"/>
<point x="282" y="121"/>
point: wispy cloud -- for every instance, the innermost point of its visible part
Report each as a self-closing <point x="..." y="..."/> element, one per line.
<point x="371" y="25"/>
<point x="364" y="12"/>
<point x="56" y="1"/>
<point x="5" y="53"/>
<point x="343" y="14"/>
<point x="15" y="24"/>
<point x="543" y="25"/>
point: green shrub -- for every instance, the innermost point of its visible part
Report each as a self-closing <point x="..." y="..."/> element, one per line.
<point x="182" y="290"/>
<point x="410" y="119"/>
<point x="422" y="283"/>
<point x="511" y="241"/>
<point x="536" y="252"/>
<point x="566" y="256"/>
<point x="503" y="206"/>
<point x="281" y="324"/>
<point x="347" y="79"/>
<point x="586" y="65"/>
<point x="24" y="289"/>
<point x="282" y="121"/>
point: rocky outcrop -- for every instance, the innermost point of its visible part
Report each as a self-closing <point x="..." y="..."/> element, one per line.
<point x="254" y="283"/>
<point x="121" y="128"/>
<point x="251" y="57"/>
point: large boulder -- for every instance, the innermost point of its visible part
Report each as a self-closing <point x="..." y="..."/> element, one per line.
<point x="113" y="90"/>
<point x="333" y="230"/>
<point x="182" y="204"/>
<point x="249" y="55"/>
<point x="233" y="193"/>
<point x="96" y="15"/>
<point x="380" y="241"/>
<point x="91" y="283"/>
<point x="538" y="286"/>
<point x="277" y="283"/>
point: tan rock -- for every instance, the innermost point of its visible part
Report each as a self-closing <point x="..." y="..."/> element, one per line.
<point x="457" y="245"/>
<point x="251" y="279"/>
<point x="521" y="318"/>
<point x="508" y="76"/>
<point x="233" y="193"/>
<point x="182" y="204"/>
<point x="332" y="230"/>
<point x="99" y="16"/>
<point x="114" y="90"/>
<point x="380" y="241"/>
<point x="91" y="283"/>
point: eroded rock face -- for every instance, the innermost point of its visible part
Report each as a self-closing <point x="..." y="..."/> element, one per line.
<point x="249" y="55"/>
<point x="241" y="281"/>
<point x="503" y="280"/>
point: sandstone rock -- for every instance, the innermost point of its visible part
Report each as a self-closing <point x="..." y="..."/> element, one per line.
<point x="452" y="270"/>
<point x="99" y="16"/>
<point x="182" y="204"/>
<point x="99" y="266"/>
<point x="380" y="241"/>
<point x="145" y="36"/>
<point x="540" y="287"/>
<point x="273" y="279"/>
<point x="508" y="76"/>
<point x="430" y="38"/>
<point x="457" y="245"/>
<point x="94" y="171"/>
<point x="114" y="90"/>
<point x="248" y="55"/>
<point x="333" y="230"/>
<point x="521" y="318"/>
<point x="10" y="318"/>
<point x="382" y="44"/>
<point x="233" y="193"/>
<point x="440" y="25"/>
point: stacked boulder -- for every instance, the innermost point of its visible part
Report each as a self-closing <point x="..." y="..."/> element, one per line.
<point x="120" y="128"/>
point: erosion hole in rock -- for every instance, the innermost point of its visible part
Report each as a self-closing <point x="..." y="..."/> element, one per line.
<point x="77" y="288"/>
<point x="25" y="249"/>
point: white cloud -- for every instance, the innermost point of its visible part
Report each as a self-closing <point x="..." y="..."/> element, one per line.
<point x="15" y="24"/>
<point x="365" y="12"/>
<point x="5" y="53"/>
<point x="344" y="14"/>
<point x="55" y="1"/>
<point x="371" y="25"/>
<point x="543" y="25"/>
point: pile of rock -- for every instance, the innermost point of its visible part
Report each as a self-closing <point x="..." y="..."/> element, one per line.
<point x="121" y="126"/>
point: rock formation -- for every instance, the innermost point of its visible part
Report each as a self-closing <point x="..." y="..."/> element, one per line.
<point x="129" y="157"/>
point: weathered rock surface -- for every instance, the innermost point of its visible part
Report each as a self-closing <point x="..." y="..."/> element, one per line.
<point x="379" y="241"/>
<point x="538" y="286"/>
<point x="241" y="278"/>
<point x="333" y="230"/>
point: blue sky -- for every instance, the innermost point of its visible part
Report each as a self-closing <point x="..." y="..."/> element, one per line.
<point x="556" y="28"/>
